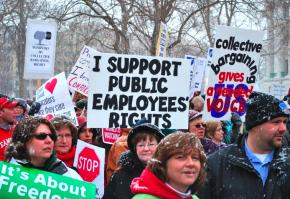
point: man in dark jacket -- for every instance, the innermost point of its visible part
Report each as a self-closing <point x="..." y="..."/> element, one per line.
<point x="253" y="168"/>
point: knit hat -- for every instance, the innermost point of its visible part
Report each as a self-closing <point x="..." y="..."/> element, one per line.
<point x="262" y="108"/>
<point x="82" y="104"/>
<point x="193" y="114"/>
<point x="22" y="103"/>
<point x="7" y="103"/>
<point x="141" y="128"/>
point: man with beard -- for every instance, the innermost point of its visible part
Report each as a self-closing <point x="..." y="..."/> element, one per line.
<point x="7" y="120"/>
<point x="253" y="167"/>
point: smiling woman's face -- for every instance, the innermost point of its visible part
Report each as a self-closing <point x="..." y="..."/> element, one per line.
<point x="182" y="170"/>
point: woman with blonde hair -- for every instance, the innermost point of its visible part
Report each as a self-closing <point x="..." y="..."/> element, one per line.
<point x="215" y="132"/>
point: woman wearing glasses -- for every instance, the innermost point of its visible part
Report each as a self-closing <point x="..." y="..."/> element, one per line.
<point x="142" y="142"/>
<point x="65" y="144"/>
<point x="32" y="146"/>
<point x="196" y="125"/>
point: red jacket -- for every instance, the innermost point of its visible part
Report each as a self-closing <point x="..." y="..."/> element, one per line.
<point x="148" y="183"/>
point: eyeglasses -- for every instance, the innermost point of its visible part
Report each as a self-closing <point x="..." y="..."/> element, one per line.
<point x="43" y="136"/>
<point x="150" y="145"/>
<point x="65" y="136"/>
<point x="198" y="126"/>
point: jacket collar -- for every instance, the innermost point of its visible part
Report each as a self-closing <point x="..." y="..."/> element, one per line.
<point x="239" y="157"/>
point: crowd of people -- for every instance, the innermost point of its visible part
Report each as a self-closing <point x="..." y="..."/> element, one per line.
<point x="210" y="159"/>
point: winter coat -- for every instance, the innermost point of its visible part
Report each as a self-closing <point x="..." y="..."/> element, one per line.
<point x="53" y="165"/>
<point x="209" y="146"/>
<point x="149" y="186"/>
<point x="148" y="196"/>
<point x="285" y="185"/>
<point x="116" y="150"/>
<point x="119" y="184"/>
<point x="230" y="174"/>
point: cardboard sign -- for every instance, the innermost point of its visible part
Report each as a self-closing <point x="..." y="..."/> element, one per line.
<point x="197" y="68"/>
<point x="126" y="88"/>
<point x="110" y="135"/>
<point x="78" y="79"/>
<point x="55" y="99"/>
<point x="21" y="182"/>
<point x="90" y="162"/>
<point x="233" y="73"/>
<point x="40" y="49"/>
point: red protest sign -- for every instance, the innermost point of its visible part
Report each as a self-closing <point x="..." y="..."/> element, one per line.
<point x="110" y="135"/>
<point x="88" y="164"/>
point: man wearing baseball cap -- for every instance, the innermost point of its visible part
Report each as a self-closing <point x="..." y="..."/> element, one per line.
<point x="252" y="168"/>
<point x="7" y="121"/>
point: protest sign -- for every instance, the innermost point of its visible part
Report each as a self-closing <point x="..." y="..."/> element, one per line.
<point x="40" y="49"/>
<point x="110" y="135"/>
<point x="55" y="99"/>
<point x="21" y="182"/>
<point x="126" y="88"/>
<point x="233" y="73"/>
<point x="162" y="40"/>
<point x="78" y="79"/>
<point x="198" y="65"/>
<point x="90" y="163"/>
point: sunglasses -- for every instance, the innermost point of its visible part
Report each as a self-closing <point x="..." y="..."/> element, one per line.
<point x="200" y="125"/>
<point x="43" y="136"/>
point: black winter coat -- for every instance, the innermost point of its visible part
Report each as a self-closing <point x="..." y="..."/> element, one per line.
<point x="286" y="182"/>
<point x="230" y="174"/>
<point x="119" y="185"/>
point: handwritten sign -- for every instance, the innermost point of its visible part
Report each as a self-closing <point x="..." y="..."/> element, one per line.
<point x="126" y="88"/>
<point x="233" y="73"/>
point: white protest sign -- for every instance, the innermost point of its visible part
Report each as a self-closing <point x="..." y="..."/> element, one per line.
<point x="162" y="40"/>
<point x="78" y="79"/>
<point x="55" y="99"/>
<point x="23" y="182"/>
<point x="197" y="68"/>
<point x="126" y="88"/>
<point x="90" y="163"/>
<point x="40" y="49"/>
<point x="233" y="72"/>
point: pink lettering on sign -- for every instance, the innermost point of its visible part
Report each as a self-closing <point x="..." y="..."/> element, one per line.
<point x="78" y="86"/>
<point x="110" y="135"/>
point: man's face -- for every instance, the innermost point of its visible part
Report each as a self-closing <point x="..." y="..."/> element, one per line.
<point x="7" y="115"/>
<point x="197" y="126"/>
<point x="270" y="134"/>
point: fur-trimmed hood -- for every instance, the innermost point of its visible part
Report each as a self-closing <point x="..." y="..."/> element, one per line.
<point x="129" y="161"/>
